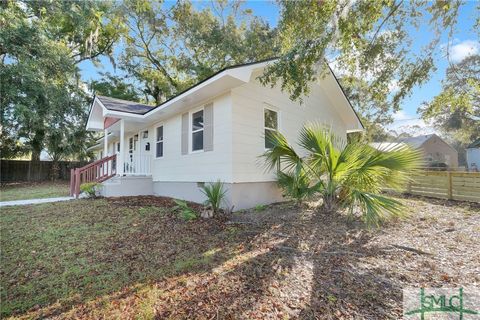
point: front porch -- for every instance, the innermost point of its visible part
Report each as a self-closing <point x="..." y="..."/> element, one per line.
<point x="125" y="150"/>
<point x="131" y="144"/>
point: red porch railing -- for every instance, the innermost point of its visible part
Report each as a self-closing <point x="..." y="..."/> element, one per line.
<point x="97" y="171"/>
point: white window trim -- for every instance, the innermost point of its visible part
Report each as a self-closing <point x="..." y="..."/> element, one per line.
<point x="190" y="130"/>
<point x="270" y="108"/>
<point x="156" y="140"/>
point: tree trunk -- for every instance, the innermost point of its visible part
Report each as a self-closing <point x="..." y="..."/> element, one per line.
<point x="329" y="203"/>
<point x="55" y="170"/>
<point x="36" y="145"/>
<point x="35" y="155"/>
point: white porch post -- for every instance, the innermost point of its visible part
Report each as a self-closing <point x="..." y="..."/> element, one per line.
<point x="139" y="165"/>
<point x="105" y="149"/>
<point x="105" y="143"/>
<point x="121" y="156"/>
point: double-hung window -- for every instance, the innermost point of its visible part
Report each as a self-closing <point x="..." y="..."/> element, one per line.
<point x="197" y="130"/>
<point x="159" y="142"/>
<point x="270" y="125"/>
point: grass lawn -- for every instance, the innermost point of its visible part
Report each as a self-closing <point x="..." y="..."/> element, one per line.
<point x="31" y="190"/>
<point x="133" y="258"/>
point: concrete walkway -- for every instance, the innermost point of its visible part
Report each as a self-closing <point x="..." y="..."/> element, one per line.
<point x="33" y="201"/>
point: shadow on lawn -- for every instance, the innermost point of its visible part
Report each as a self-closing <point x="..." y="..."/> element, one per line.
<point x="280" y="261"/>
<point x="306" y="269"/>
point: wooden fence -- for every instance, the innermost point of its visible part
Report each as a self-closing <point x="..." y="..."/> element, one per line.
<point x="24" y="170"/>
<point x="452" y="185"/>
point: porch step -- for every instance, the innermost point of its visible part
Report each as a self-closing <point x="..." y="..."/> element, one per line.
<point x="122" y="186"/>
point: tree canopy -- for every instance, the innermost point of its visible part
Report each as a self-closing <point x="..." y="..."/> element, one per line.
<point x="169" y="48"/>
<point x="456" y="110"/>
<point x="43" y="104"/>
<point x="369" y="43"/>
<point x="116" y="87"/>
<point x="164" y="47"/>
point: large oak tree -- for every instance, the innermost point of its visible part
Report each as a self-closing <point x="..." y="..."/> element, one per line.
<point x="371" y="44"/>
<point x="41" y="44"/>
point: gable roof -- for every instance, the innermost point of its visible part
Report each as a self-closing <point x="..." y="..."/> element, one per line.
<point x="474" y="144"/>
<point x="124" y="105"/>
<point x="236" y="72"/>
<point x="115" y="104"/>
<point x="212" y="76"/>
<point x="417" y="142"/>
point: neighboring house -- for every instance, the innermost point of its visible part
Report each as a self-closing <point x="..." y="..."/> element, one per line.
<point x="435" y="150"/>
<point x="473" y="156"/>
<point x="212" y="131"/>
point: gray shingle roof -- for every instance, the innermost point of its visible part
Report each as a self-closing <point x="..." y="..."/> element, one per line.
<point x="417" y="142"/>
<point x="124" y="105"/>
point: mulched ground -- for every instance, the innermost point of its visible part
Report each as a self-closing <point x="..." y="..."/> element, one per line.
<point x="284" y="262"/>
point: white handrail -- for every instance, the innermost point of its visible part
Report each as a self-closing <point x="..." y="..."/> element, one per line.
<point x="138" y="165"/>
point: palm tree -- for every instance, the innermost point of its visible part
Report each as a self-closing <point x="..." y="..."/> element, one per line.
<point x="344" y="175"/>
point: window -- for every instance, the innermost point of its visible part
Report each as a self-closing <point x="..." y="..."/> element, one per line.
<point x="271" y="125"/>
<point x="145" y="134"/>
<point x="159" y="149"/>
<point x="118" y="146"/>
<point x="197" y="131"/>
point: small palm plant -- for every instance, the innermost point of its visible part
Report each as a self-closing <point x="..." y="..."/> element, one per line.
<point x="344" y="175"/>
<point x="215" y="194"/>
<point x="184" y="211"/>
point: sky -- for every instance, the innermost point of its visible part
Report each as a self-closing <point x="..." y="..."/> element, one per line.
<point x="464" y="42"/>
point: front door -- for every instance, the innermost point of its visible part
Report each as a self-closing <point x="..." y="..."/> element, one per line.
<point x="132" y="147"/>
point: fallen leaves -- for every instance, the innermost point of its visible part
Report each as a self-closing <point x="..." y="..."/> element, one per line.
<point x="286" y="262"/>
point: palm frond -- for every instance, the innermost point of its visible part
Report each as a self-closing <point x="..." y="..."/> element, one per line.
<point x="376" y="208"/>
<point x="353" y="175"/>
<point x="281" y="155"/>
<point x="215" y="194"/>
<point x="295" y="185"/>
<point x="372" y="170"/>
<point x="323" y="147"/>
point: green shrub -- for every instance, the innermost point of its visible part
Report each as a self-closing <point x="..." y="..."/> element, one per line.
<point x="348" y="175"/>
<point x="215" y="194"/>
<point x="90" y="188"/>
<point x="184" y="211"/>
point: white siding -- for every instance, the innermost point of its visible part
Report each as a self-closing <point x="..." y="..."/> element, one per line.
<point x="248" y="102"/>
<point x="199" y="166"/>
<point x="238" y="138"/>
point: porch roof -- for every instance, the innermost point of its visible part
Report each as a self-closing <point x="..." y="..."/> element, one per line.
<point x="115" y="104"/>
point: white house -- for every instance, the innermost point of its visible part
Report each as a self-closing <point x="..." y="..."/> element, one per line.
<point x="473" y="156"/>
<point x="212" y="131"/>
